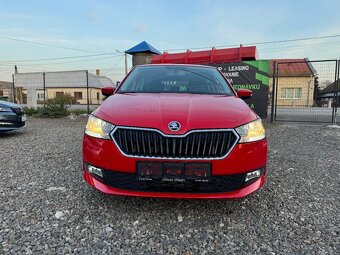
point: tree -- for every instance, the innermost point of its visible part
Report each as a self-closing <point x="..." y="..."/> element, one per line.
<point x="317" y="90"/>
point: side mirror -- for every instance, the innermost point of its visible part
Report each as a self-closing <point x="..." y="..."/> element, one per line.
<point x="244" y="93"/>
<point x="108" y="91"/>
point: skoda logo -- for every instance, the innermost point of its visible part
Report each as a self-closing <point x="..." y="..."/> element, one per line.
<point x="174" y="126"/>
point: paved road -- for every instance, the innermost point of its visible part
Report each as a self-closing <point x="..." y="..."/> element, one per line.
<point x="46" y="208"/>
<point x="304" y="114"/>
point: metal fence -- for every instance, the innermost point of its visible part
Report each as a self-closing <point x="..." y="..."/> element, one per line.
<point x="305" y="91"/>
<point x="81" y="88"/>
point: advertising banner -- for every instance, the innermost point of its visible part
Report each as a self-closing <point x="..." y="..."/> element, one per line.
<point x="252" y="75"/>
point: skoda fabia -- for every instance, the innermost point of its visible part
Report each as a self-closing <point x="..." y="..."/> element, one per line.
<point x="175" y="131"/>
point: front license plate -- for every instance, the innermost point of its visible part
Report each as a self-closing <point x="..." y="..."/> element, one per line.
<point x="173" y="172"/>
<point x="23" y="119"/>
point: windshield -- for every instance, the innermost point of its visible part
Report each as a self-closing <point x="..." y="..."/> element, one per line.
<point x="175" y="79"/>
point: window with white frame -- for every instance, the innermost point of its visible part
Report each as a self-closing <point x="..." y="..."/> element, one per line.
<point x="291" y="93"/>
<point x="40" y="95"/>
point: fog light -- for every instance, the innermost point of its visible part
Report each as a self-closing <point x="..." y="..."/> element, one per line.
<point x="95" y="171"/>
<point x="253" y="175"/>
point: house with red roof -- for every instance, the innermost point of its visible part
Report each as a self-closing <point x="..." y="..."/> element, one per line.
<point x="295" y="82"/>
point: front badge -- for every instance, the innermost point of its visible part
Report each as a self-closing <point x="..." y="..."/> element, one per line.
<point x="174" y="126"/>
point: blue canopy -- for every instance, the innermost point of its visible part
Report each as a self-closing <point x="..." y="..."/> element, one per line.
<point x="142" y="47"/>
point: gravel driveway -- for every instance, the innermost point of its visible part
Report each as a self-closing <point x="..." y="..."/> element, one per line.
<point x="46" y="208"/>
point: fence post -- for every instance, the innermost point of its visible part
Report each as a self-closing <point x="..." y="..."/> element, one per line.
<point x="87" y="92"/>
<point x="273" y="93"/>
<point x="44" y="87"/>
<point x="13" y="88"/>
<point x="277" y="87"/>
<point x="335" y="93"/>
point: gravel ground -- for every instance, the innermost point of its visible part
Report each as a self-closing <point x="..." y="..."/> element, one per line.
<point x="46" y="208"/>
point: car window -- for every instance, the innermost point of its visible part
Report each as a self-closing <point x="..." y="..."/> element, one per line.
<point x="175" y="79"/>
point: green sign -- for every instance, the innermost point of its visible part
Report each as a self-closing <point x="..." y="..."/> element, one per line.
<point x="252" y="75"/>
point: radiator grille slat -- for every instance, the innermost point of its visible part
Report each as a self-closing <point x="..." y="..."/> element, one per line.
<point x="197" y="144"/>
<point x="193" y="144"/>
<point x="136" y="139"/>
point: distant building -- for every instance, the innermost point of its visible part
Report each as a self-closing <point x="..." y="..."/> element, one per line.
<point x="6" y="90"/>
<point x="73" y="83"/>
<point x="326" y="96"/>
<point x="295" y="82"/>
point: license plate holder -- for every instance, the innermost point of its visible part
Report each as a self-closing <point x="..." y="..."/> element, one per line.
<point x="173" y="171"/>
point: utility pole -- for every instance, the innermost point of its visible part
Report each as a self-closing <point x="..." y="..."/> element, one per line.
<point x="13" y="85"/>
<point x="14" y="92"/>
<point x="87" y="92"/>
<point x="44" y="87"/>
<point x="125" y="56"/>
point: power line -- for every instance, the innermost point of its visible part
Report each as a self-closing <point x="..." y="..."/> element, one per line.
<point x="115" y="65"/>
<point x="311" y="45"/>
<point x="67" y="62"/>
<point x="79" y="61"/>
<point x="45" y="44"/>
<point x="259" y="43"/>
<point x="50" y="59"/>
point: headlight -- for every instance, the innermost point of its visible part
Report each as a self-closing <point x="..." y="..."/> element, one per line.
<point x="5" y="109"/>
<point x="98" y="128"/>
<point x="251" y="132"/>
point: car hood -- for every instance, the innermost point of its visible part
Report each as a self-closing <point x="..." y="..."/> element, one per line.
<point x="8" y="104"/>
<point x="190" y="110"/>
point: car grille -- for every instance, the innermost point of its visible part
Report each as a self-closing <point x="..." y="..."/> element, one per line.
<point x="18" y="111"/>
<point x="206" y="144"/>
<point x="221" y="183"/>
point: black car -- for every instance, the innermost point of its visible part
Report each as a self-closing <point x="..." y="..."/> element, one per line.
<point x="12" y="116"/>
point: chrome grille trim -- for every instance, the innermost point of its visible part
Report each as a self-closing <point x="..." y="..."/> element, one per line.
<point x="188" y="154"/>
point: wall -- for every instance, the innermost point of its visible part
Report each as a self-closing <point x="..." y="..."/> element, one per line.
<point x="142" y="58"/>
<point x="6" y="93"/>
<point x="51" y="93"/>
<point x="294" y="82"/>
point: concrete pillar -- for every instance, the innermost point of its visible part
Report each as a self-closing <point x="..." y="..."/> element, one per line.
<point x="142" y="58"/>
<point x="32" y="97"/>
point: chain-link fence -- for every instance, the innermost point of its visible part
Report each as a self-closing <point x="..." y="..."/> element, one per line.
<point x="81" y="88"/>
<point x="305" y="91"/>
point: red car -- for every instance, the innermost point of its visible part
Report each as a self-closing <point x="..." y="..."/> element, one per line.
<point x="175" y="131"/>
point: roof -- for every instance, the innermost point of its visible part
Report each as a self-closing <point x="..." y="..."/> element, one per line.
<point x="142" y="47"/>
<point x="63" y="79"/>
<point x="330" y="88"/>
<point x="100" y="81"/>
<point x="5" y="85"/>
<point x="208" y="56"/>
<point x="293" y="67"/>
<point x="182" y="65"/>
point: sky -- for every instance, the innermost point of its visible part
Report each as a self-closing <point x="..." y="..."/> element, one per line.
<point x="72" y="28"/>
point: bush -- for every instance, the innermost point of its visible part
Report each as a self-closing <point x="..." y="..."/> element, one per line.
<point x="30" y="111"/>
<point x="55" y="108"/>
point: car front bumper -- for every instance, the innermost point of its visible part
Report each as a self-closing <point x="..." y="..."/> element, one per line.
<point x="242" y="159"/>
<point x="10" y="121"/>
<point x="247" y="190"/>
